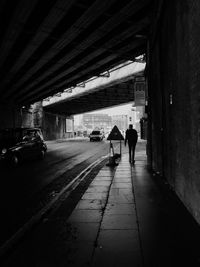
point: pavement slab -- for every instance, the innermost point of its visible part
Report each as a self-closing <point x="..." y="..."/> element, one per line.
<point x="103" y="178"/>
<point x="121" y="195"/>
<point x="101" y="183"/>
<point x="119" y="221"/>
<point x="90" y="204"/>
<point x="96" y="195"/>
<point x="118" y="248"/>
<point x="85" y="216"/>
<point x="96" y="189"/>
<point x="116" y="208"/>
<point x="122" y="220"/>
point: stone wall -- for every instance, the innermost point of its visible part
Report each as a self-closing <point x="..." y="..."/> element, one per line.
<point x="54" y="127"/>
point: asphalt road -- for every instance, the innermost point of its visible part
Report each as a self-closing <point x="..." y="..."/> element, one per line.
<point x="28" y="188"/>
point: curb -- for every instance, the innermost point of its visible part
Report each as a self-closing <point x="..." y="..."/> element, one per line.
<point x="36" y="218"/>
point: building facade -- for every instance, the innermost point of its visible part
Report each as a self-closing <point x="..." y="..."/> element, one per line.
<point x="101" y="121"/>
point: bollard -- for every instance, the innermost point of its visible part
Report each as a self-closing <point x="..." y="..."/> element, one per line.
<point x="115" y="134"/>
<point x="112" y="157"/>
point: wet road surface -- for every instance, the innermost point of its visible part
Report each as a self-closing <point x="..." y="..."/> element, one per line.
<point x="29" y="187"/>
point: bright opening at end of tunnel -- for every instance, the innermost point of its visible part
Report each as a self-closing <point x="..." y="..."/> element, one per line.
<point x="106" y="119"/>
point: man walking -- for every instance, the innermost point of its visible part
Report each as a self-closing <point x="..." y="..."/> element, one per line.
<point x="132" y="137"/>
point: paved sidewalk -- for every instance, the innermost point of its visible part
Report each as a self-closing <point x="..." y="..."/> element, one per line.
<point x="123" y="219"/>
<point x="106" y="216"/>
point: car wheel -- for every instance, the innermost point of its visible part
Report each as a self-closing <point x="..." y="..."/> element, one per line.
<point x="14" y="160"/>
<point x="42" y="154"/>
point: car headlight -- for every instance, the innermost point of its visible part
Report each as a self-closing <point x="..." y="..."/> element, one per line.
<point x="3" y="151"/>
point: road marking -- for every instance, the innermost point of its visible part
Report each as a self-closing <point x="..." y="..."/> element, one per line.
<point x="36" y="218"/>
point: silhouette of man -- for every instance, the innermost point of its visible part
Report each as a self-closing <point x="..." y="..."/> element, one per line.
<point x="132" y="137"/>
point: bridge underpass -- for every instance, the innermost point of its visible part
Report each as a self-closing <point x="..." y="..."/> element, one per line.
<point x="48" y="47"/>
<point x="115" y="89"/>
<point x="44" y="51"/>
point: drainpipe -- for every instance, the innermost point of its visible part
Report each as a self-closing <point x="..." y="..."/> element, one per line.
<point x="73" y="126"/>
<point x="13" y="113"/>
<point x="150" y="45"/>
<point x="149" y="111"/>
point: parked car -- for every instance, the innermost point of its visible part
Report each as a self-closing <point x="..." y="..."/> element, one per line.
<point x="20" y="144"/>
<point x="96" y="136"/>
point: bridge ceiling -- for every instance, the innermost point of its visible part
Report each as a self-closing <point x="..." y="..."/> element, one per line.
<point x="48" y="46"/>
<point x="106" y="96"/>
